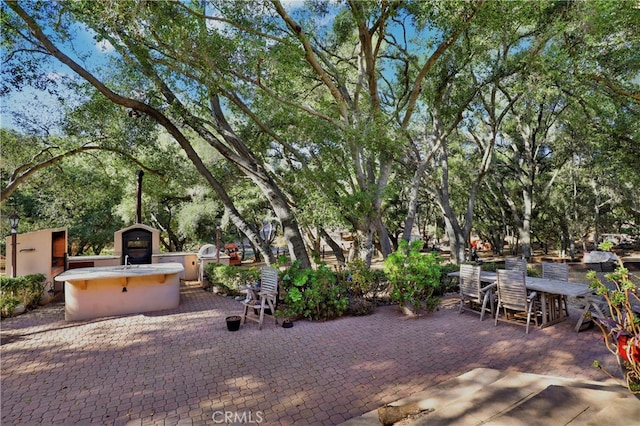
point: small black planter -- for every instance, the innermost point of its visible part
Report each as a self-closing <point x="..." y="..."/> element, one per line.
<point x="287" y="323"/>
<point x="233" y="322"/>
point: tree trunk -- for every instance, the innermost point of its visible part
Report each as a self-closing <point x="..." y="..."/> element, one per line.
<point x="156" y="115"/>
<point x="385" y="241"/>
<point x="335" y="247"/>
<point x="524" y="237"/>
<point x="413" y="200"/>
<point x="313" y="242"/>
<point x="246" y="161"/>
<point x="524" y="227"/>
<point x="457" y="240"/>
<point x="596" y="214"/>
<point x="362" y="246"/>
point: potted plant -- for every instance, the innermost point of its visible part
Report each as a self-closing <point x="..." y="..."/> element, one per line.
<point x="233" y="322"/>
<point x="621" y="329"/>
<point x="286" y="315"/>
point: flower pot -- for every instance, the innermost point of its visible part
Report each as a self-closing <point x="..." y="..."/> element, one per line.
<point x="626" y="349"/>
<point x="287" y="324"/>
<point x="630" y="377"/>
<point x="233" y="322"/>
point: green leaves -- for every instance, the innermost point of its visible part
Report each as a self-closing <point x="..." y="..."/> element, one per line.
<point x="25" y="290"/>
<point x="301" y="278"/>
<point x="316" y="294"/>
<point x="320" y="103"/>
<point x="414" y="276"/>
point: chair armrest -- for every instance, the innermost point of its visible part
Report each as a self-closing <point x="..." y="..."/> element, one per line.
<point x="489" y="287"/>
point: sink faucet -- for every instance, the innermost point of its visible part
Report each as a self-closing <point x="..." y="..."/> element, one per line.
<point x="126" y="262"/>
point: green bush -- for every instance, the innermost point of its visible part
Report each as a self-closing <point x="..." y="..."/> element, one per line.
<point x="231" y="279"/>
<point x="363" y="281"/>
<point x="448" y="284"/>
<point x="414" y="277"/>
<point x="25" y="290"/>
<point x="534" y="270"/>
<point x="283" y="261"/>
<point x="316" y="294"/>
<point x="364" y="286"/>
<point x="493" y="266"/>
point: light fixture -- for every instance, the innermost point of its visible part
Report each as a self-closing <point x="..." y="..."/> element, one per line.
<point x="14" y="220"/>
<point x="218" y="243"/>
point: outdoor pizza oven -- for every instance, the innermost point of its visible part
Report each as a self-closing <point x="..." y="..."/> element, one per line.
<point x="137" y="246"/>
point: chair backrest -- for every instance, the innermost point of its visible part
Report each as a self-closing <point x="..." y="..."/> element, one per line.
<point x="470" y="281"/>
<point x="268" y="280"/>
<point x="512" y="291"/>
<point x="555" y="271"/>
<point x="515" y="264"/>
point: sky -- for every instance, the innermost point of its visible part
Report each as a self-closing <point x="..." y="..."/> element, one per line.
<point x="39" y="111"/>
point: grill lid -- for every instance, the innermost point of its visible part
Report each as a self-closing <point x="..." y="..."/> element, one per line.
<point x="599" y="257"/>
<point x="207" y="251"/>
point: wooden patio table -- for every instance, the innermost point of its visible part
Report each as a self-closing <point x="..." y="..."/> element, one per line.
<point x="546" y="288"/>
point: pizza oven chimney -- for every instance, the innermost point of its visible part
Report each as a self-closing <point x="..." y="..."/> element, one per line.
<point x="139" y="174"/>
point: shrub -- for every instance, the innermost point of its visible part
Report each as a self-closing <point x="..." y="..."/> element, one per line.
<point x="363" y="281"/>
<point x="316" y="294"/>
<point x="493" y="266"/>
<point x="283" y="261"/>
<point x="534" y="272"/>
<point x="413" y="276"/>
<point x="25" y="290"/>
<point x="448" y="284"/>
<point x="363" y="285"/>
<point x="8" y="304"/>
<point x="232" y="279"/>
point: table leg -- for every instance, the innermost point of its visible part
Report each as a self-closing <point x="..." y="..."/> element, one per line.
<point x="543" y="300"/>
<point x="589" y="303"/>
<point x="554" y="315"/>
<point x="551" y="307"/>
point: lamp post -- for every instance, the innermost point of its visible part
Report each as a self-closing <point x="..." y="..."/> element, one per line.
<point x="14" y="220"/>
<point x="218" y="244"/>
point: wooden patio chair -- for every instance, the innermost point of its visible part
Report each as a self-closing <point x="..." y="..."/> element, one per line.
<point x="595" y="305"/>
<point x="472" y="291"/>
<point x="560" y="272"/>
<point x="513" y="297"/>
<point x="265" y="297"/>
<point x="515" y="264"/>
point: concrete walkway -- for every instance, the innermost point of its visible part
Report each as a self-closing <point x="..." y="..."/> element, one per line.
<point x="183" y="366"/>
<point x="488" y="397"/>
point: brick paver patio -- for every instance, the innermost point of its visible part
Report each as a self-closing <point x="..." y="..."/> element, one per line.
<point x="183" y="366"/>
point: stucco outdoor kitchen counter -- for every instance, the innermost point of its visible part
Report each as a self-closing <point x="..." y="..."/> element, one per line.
<point x="119" y="290"/>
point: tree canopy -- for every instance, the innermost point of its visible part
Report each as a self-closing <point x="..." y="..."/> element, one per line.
<point x="353" y="115"/>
